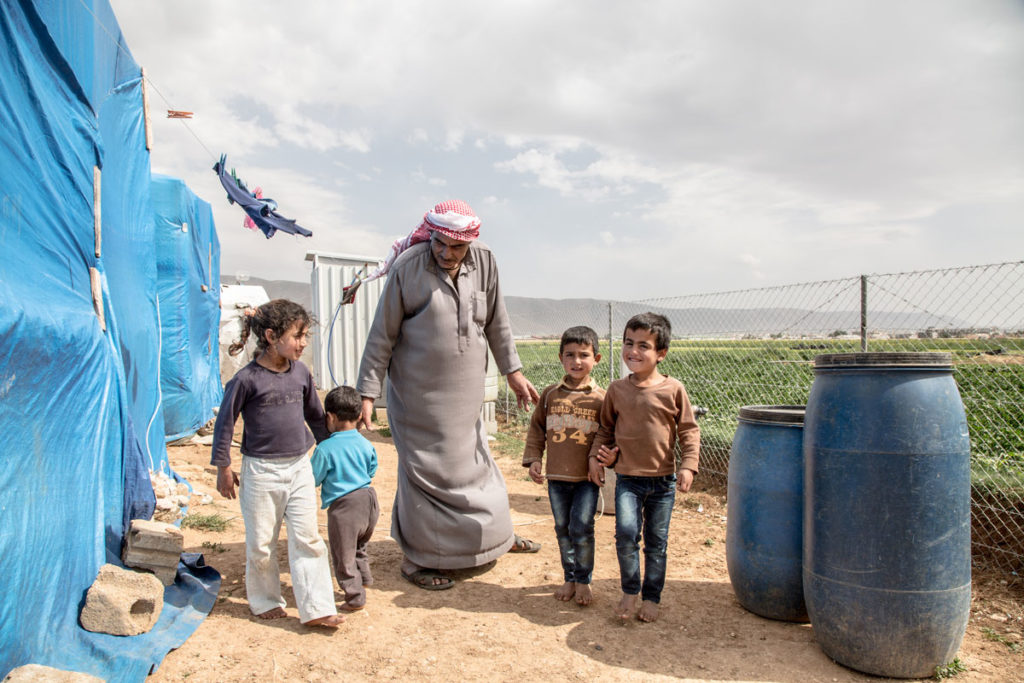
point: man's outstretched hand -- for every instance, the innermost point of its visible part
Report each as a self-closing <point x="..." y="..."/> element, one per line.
<point x="525" y="392"/>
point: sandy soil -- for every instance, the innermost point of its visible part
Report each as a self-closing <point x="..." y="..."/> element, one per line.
<point x="502" y="623"/>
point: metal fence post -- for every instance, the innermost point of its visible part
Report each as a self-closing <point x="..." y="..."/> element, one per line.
<point x="611" y="349"/>
<point x="863" y="313"/>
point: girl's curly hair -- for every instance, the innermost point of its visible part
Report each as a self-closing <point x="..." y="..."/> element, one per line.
<point x="277" y="315"/>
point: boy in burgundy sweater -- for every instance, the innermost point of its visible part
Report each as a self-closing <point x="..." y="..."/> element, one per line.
<point x="565" y="422"/>
<point x="642" y="417"/>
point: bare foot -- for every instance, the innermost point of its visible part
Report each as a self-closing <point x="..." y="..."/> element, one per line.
<point x="275" y="613"/>
<point x="584" y="596"/>
<point x="566" y="591"/>
<point x="648" y="611"/>
<point x="627" y="606"/>
<point x="330" y="621"/>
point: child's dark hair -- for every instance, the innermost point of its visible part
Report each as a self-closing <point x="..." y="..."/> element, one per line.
<point x="582" y="335"/>
<point x="277" y="315"/>
<point x="344" y="403"/>
<point x="656" y="324"/>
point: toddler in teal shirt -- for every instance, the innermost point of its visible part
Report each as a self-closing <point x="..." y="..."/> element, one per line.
<point x="343" y="466"/>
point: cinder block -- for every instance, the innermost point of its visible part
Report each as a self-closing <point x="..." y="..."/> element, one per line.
<point x="37" y="673"/>
<point x="140" y="558"/>
<point x="167" y="575"/>
<point x="154" y="546"/>
<point x="122" y="602"/>
<point x="155" y="536"/>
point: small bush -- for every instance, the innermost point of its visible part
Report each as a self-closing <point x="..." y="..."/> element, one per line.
<point x="212" y="522"/>
<point x="949" y="670"/>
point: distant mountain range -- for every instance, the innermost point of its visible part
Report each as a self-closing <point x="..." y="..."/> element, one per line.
<point x="535" y="317"/>
<point x="549" y="317"/>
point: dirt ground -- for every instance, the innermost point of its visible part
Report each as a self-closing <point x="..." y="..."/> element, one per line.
<point x="502" y="623"/>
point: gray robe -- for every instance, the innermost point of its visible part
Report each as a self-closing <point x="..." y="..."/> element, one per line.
<point x="451" y="507"/>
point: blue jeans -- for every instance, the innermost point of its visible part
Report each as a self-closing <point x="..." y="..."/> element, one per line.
<point x="643" y="506"/>
<point x="573" y="504"/>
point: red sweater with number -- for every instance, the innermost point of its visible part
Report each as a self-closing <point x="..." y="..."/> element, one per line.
<point x="564" y="422"/>
<point x="644" y="422"/>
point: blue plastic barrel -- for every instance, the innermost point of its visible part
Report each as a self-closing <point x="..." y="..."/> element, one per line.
<point x="764" y="528"/>
<point x="887" y="546"/>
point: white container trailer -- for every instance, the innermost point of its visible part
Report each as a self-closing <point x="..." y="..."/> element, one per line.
<point x="340" y="335"/>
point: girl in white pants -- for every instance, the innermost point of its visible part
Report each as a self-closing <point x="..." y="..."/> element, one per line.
<point x="277" y="399"/>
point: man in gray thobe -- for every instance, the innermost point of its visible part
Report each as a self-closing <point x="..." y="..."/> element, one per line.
<point x="439" y="311"/>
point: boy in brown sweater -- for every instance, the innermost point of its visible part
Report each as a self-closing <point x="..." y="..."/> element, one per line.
<point x="641" y="418"/>
<point x="565" y="422"/>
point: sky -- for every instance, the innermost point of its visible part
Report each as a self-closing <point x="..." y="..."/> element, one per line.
<point x="612" y="150"/>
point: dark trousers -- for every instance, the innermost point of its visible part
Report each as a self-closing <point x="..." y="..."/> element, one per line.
<point x="573" y="504"/>
<point x="643" y="507"/>
<point x="350" y="523"/>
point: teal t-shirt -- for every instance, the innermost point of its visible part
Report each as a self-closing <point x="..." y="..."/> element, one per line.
<point x="343" y="463"/>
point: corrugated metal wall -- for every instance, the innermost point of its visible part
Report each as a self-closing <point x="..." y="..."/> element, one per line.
<point x="340" y="336"/>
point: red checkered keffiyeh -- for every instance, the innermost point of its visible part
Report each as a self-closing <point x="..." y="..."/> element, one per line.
<point x="452" y="218"/>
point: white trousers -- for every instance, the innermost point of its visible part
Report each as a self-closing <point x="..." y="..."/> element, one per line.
<point x="273" y="490"/>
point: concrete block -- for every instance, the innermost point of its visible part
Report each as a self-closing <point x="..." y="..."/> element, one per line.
<point x="141" y="558"/>
<point x="155" y="536"/>
<point x="122" y="602"/>
<point x="37" y="673"/>
<point x="167" y="575"/>
<point x="154" y="546"/>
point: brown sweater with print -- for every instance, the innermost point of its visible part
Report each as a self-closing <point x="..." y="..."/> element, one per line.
<point x="644" y="422"/>
<point x="565" y="422"/>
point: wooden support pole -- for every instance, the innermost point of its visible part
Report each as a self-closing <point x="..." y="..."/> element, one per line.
<point x="96" y="285"/>
<point x="145" y="113"/>
<point x="97" y="216"/>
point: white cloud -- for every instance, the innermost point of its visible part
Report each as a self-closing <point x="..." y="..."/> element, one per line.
<point x="308" y="133"/>
<point x="418" y="137"/>
<point x="419" y="176"/>
<point x="688" y="138"/>
<point x="453" y="139"/>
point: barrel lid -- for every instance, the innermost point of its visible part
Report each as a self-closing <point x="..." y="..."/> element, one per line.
<point x="931" y="359"/>
<point x="792" y="415"/>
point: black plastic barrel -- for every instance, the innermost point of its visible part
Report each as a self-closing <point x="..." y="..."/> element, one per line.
<point x="887" y="547"/>
<point x="764" y="531"/>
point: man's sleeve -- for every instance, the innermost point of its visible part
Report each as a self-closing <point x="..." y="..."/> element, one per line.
<point x="498" y="328"/>
<point x="380" y="341"/>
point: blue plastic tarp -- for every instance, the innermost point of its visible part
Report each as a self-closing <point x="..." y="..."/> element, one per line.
<point x="188" y="260"/>
<point x="80" y="404"/>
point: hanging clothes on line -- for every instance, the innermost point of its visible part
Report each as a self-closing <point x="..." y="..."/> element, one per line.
<point x="262" y="210"/>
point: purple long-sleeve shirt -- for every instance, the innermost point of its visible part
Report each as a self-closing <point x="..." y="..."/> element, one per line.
<point x="276" y="407"/>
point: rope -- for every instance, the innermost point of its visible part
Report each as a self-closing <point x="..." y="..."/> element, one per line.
<point x="120" y="47"/>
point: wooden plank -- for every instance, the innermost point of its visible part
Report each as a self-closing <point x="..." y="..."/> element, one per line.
<point x="97" y="219"/>
<point x="97" y="296"/>
<point x="145" y="113"/>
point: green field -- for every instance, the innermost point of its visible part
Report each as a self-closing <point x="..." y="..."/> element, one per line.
<point x="723" y="375"/>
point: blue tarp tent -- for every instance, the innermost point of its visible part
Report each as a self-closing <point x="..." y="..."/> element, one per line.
<point x="80" y="404"/>
<point x="188" y="259"/>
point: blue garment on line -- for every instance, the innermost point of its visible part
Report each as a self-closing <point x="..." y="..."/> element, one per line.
<point x="263" y="212"/>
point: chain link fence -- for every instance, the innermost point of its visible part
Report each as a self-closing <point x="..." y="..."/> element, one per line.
<point x="757" y="347"/>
